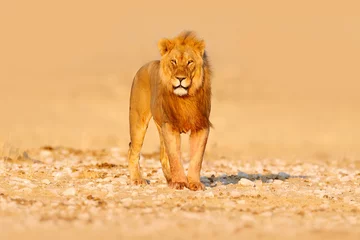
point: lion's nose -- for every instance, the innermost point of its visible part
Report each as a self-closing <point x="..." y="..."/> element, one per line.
<point x="180" y="78"/>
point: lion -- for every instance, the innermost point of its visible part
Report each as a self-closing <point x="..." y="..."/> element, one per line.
<point x="176" y="92"/>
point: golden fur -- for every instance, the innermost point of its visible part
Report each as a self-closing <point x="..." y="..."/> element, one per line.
<point x="176" y="92"/>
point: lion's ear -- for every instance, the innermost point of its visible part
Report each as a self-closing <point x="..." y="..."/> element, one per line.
<point x="165" y="45"/>
<point x="201" y="47"/>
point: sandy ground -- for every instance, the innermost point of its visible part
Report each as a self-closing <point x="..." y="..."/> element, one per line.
<point x="61" y="192"/>
<point x="285" y="99"/>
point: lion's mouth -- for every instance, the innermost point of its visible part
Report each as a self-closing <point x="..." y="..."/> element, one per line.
<point x="180" y="90"/>
<point x="180" y="86"/>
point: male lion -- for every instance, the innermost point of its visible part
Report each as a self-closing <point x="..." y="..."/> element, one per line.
<point x="176" y="92"/>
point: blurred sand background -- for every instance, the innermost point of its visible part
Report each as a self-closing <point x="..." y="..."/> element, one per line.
<point x="286" y="73"/>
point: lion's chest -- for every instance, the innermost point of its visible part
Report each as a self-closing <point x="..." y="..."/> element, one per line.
<point x="185" y="115"/>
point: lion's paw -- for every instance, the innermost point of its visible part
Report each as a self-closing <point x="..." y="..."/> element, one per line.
<point x="196" y="186"/>
<point x="178" y="185"/>
<point x="139" y="181"/>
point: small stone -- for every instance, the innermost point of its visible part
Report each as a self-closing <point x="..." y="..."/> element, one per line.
<point x="150" y="191"/>
<point x="158" y="203"/>
<point x="134" y="194"/>
<point x="46" y="181"/>
<point x="84" y="216"/>
<point x="283" y="175"/>
<point x="161" y="197"/>
<point x="45" y="154"/>
<point x="248" y="220"/>
<point x="230" y="204"/>
<point x="109" y="187"/>
<point x="246" y="182"/>
<point x="209" y="194"/>
<point x="204" y="180"/>
<point x="345" y="179"/>
<point x="126" y="202"/>
<point x="235" y="194"/>
<point x="278" y="182"/>
<point x="122" y="180"/>
<point x="57" y="175"/>
<point x="115" y="150"/>
<point x="243" y="175"/>
<point x="147" y="210"/>
<point x="26" y="190"/>
<point x="31" y="185"/>
<point x="110" y="194"/>
<point x="324" y="206"/>
<point x="69" y="192"/>
<point x="266" y="214"/>
<point x="108" y="179"/>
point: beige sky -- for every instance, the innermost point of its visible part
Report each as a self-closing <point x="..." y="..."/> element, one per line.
<point x="286" y="72"/>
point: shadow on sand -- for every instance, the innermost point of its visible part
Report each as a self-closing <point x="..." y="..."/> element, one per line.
<point x="234" y="179"/>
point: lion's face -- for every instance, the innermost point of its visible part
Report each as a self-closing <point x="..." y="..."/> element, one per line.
<point x="181" y="65"/>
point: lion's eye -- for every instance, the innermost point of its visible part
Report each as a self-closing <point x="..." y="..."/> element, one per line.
<point x="173" y="61"/>
<point x="190" y="62"/>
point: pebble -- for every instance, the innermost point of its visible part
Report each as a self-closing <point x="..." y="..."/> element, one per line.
<point x="246" y="182"/>
<point x="266" y="214"/>
<point x="46" y="181"/>
<point x="109" y="187"/>
<point x="134" y="194"/>
<point x="243" y="175"/>
<point x="122" y="181"/>
<point x="110" y="195"/>
<point x="161" y="197"/>
<point x="84" y="216"/>
<point x="324" y="206"/>
<point x="25" y="190"/>
<point x="158" y="202"/>
<point x="69" y="192"/>
<point x="22" y="180"/>
<point x="126" y="201"/>
<point x="283" y="175"/>
<point x="235" y="194"/>
<point x="345" y="179"/>
<point x="278" y="182"/>
<point x="58" y="175"/>
<point x="204" y="180"/>
<point x="209" y="194"/>
<point x="45" y="154"/>
<point x="147" y="210"/>
<point x="258" y="183"/>
<point x="248" y="220"/>
<point x="150" y="191"/>
<point x="230" y="204"/>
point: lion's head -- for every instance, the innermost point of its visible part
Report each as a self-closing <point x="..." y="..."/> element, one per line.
<point x="182" y="62"/>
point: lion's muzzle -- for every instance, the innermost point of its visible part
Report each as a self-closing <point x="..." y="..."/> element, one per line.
<point x="181" y="85"/>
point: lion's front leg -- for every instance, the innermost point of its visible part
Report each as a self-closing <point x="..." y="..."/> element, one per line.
<point x="172" y="144"/>
<point x="198" y="142"/>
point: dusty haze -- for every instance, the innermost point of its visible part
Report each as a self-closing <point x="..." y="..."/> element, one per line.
<point x="286" y="74"/>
